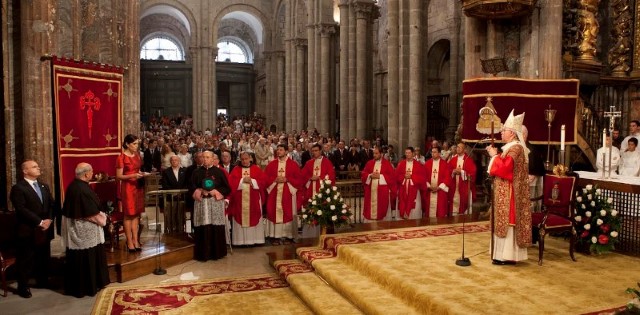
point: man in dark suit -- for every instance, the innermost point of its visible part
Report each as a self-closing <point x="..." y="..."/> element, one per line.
<point x="173" y="177"/>
<point x="340" y="158"/>
<point x="34" y="205"/>
<point x="226" y="162"/>
<point x="305" y="155"/>
<point x="366" y="153"/>
<point x="152" y="157"/>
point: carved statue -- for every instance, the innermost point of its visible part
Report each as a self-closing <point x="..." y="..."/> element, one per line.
<point x="588" y="27"/>
<point x="619" y="54"/>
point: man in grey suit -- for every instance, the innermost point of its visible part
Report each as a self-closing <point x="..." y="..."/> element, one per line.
<point x="33" y="204"/>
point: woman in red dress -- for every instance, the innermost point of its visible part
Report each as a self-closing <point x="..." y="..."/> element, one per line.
<point x="131" y="191"/>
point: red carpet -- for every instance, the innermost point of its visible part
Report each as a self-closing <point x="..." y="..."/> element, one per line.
<point x="153" y="299"/>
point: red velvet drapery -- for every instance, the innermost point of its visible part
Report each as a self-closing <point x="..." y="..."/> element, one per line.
<point x="522" y="95"/>
<point x="88" y="111"/>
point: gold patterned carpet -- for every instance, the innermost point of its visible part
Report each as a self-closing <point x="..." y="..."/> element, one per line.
<point x="402" y="271"/>
<point x="394" y="274"/>
<point x="264" y="294"/>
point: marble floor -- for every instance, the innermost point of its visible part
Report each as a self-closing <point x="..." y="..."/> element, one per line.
<point x="243" y="262"/>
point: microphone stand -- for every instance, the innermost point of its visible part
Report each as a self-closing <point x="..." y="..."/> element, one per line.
<point x="465" y="261"/>
<point x="159" y="270"/>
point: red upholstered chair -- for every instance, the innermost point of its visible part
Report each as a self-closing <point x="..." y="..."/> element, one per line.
<point x="556" y="215"/>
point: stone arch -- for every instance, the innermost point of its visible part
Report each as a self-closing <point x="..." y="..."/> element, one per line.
<point x="249" y="15"/>
<point x="241" y="33"/>
<point x="165" y="25"/>
<point x="437" y="67"/>
<point x="178" y="11"/>
<point x="170" y="37"/>
<point x="241" y="43"/>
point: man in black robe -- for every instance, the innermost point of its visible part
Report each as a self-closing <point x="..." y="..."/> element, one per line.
<point x="209" y="187"/>
<point x="85" y="271"/>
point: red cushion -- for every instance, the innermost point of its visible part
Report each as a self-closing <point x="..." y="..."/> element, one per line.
<point x="556" y="221"/>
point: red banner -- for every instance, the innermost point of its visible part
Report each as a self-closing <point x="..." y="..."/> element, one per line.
<point x="531" y="97"/>
<point x="88" y="109"/>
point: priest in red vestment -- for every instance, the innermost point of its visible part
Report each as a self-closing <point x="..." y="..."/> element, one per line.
<point x="512" y="216"/>
<point x="379" y="188"/>
<point x="245" y="203"/>
<point x="316" y="170"/>
<point x="438" y="180"/>
<point x="410" y="180"/>
<point x="284" y="181"/>
<point x="463" y="171"/>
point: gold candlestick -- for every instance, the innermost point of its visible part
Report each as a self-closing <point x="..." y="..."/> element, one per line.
<point x="549" y="116"/>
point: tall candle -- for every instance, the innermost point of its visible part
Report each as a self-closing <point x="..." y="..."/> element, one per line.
<point x="604" y="137"/>
<point x="562" y="138"/>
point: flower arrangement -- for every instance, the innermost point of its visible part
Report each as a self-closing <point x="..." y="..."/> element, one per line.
<point x="596" y="223"/>
<point x="633" y="307"/>
<point x="326" y="208"/>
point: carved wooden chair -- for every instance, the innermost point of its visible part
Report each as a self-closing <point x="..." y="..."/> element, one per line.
<point x="556" y="215"/>
<point x="7" y="244"/>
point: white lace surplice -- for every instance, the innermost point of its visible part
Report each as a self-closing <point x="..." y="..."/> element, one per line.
<point x="208" y="211"/>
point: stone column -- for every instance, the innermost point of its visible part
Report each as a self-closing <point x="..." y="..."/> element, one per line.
<point x="131" y="78"/>
<point x="403" y="78"/>
<point x="363" y="14"/>
<point x="416" y="70"/>
<point x="454" y="73"/>
<point x="195" y="86"/>
<point x="205" y="94"/>
<point x="393" y="44"/>
<point x="325" y="108"/>
<point x="551" y="32"/>
<point x="344" y="69"/>
<point x="311" y="94"/>
<point x="293" y="72"/>
<point x="213" y="87"/>
<point x="475" y="37"/>
<point x="279" y="119"/>
<point x="38" y="23"/>
<point x="352" y="81"/>
<point x="288" y="69"/>
<point x="317" y="75"/>
<point x="300" y="83"/>
<point x="268" y="85"/>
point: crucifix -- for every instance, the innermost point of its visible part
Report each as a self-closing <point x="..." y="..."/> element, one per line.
<point x="612" y="114"/>
<point x="92" y="103"/>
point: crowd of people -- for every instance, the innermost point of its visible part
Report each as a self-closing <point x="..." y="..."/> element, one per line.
<point x="271" y="174"/>
<point x="256" y="181"/>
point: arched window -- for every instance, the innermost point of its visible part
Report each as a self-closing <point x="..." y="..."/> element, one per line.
<point x="230" y="50"/>
<point x="161" y="48"/>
